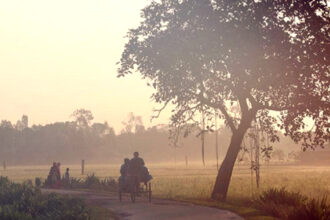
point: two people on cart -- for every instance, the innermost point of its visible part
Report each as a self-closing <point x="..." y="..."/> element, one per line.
<point x="134" y="171"/>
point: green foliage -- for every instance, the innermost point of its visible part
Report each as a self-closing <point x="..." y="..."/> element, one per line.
<point x="197" y="55"/>
<point x="293" y="206"/>
<point x="37" y="182"/>
<point x="92" y="182"/>
<point x="279" y="202"/>
<point x="74" y="183"/>
<point x="110" y="183"/>
<point x="315" y="209"/>
<point x="25" y="202"/>
<point x="282" y="197"/>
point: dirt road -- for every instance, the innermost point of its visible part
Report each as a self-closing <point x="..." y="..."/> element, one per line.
<point x="158" y="209"/>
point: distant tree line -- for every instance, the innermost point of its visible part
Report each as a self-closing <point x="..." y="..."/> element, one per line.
<point x="72" y="141"/>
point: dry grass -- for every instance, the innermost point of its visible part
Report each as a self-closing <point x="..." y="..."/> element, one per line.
<point x="197" y="182"/>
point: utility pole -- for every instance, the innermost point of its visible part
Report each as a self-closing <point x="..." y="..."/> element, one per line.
<point x="82" y="167"/>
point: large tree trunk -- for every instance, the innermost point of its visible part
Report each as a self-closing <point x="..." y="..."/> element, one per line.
<point x="224" y="174"/>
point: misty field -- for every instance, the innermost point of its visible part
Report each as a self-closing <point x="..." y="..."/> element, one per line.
<point x="196" y="182"/>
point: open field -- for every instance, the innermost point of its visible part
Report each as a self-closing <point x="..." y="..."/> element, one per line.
<point x="196" y="182"/>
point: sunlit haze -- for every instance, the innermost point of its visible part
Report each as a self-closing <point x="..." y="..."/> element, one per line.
<point x="57" y="56"/>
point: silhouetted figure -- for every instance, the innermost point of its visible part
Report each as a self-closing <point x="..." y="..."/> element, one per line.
<point x="58" y="175"/>
<point x="123" y="172"/>
<point x="135" y="165"/>
<point x="145" y="175"/>
<point x="52" y="178"/>
<point x="67" y="176"/>
<point x="124" y="168"/>
<point x="135" y="168"/>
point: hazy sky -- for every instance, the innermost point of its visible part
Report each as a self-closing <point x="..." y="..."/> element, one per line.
<point x="57" y="56"/>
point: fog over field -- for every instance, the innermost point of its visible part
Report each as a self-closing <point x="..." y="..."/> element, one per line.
<point x="179" y="109"/>
<point x="23" y="144"/>
<point x="69" y="143"/>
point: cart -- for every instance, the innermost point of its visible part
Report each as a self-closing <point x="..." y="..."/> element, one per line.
<point x="131" y="185"/>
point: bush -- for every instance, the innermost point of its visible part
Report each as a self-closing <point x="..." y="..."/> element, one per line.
<point x="25" y="202"/>
<point x="92" y="182"/>
<point x="293" y="206"/>
<point x="282" y="197"/>
<point x="37" y="182"/>
<point x="315" y="209"/>
<point x="110" y="184"/>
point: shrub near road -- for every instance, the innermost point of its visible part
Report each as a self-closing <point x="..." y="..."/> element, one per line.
<point x="25" y="202"/>
<point x="92" y="182"/>
<point x="293" y="206"/>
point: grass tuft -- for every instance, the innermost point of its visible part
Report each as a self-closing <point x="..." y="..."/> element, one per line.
<point x="283" y="204"/>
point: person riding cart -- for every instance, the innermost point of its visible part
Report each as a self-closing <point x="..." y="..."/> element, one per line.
<point x="123" y="172"/>
<point x="135" y="168"/>
<point x="133" y="172"/>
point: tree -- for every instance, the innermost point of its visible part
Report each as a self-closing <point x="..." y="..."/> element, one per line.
<point x="264" y="56"/>
<point x="133" y="123"/>
<point x="102" y="129"/>
<point x="6" y="124"/>
<point x="82" y="117"/>
<point x="23" y="123"/>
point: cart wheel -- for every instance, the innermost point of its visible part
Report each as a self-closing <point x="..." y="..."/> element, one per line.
<point x="133" y="196"/>
<point x="149" y="192"/>
<point x="133" y="191"/>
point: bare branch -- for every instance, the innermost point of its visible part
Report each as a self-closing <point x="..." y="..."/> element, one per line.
<point x="159" y="111"/>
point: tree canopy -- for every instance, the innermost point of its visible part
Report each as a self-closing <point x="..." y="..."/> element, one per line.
<point x="83" y="117"/>
<point x="262" y="55"/>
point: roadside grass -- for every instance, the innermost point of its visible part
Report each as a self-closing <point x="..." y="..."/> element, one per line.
<point x="313" y="182"/>
<point x="26" y="202"/>
<point x="288" y="205"/>
<point x="101" y="213"/>
<point x="197" y="191"/>
<point x="195" y="183"/>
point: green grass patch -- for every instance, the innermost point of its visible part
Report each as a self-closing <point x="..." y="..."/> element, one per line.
<point x="26" y="202"/>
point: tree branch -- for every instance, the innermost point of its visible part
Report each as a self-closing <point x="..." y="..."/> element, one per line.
<point x="223" y="110"/>
<point x="158" y="111"/>
<point x="269" y="107"/>
<point x="243" y="105"/>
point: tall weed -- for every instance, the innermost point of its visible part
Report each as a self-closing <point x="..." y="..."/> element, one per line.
<point x="293" y="206"/>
